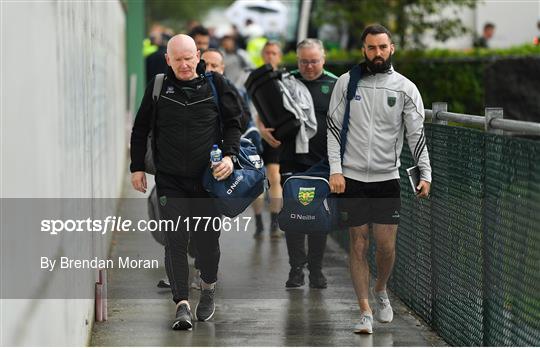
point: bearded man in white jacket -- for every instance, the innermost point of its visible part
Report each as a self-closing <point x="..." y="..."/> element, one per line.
<point x="386" y="106"/>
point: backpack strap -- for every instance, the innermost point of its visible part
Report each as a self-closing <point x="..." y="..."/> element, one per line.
<point x="355" y="74"/>
<point x="158" y="84"/>
<point x="210" y="78"/>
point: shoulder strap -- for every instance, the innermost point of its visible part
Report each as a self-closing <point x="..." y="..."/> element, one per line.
<point x="158" y="84"/>
<point x="210" y="78"/>
<point x="354" y="77"/>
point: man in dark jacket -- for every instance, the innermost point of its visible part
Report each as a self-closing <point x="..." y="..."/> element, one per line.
<point x="185" y="123"/>
<point x="214" y="62"/>
<point x="320" y="83"/>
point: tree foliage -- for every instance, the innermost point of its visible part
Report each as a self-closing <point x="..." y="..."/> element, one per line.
<point x="453" y="76"/>
<point x="408" y="20"/>
<point x="176" y="13"/>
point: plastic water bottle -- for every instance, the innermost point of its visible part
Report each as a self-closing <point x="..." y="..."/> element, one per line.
<point x="215" y="155"/>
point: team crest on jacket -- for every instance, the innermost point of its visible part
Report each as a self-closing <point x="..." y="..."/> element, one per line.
<point x="306" y="195"/>
<point x="163" y="200"/>
<point x="391" y="101"/>
<point x="325" y="89"/>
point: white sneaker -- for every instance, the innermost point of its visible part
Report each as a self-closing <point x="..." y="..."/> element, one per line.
<point x="383" y="309"/>
<point x="365" y="326"/>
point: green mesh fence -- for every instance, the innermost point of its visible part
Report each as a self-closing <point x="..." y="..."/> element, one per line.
<point x="468" y="259"/>
<point x="512" y="242"/>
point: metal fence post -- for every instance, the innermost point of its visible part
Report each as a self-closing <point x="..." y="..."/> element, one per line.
<point x="437" y="107"/>
<point x="492" y="113"/>
<point x="437" y="147"/>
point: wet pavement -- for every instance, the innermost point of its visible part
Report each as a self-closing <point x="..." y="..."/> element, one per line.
<point x="253" y="308"/>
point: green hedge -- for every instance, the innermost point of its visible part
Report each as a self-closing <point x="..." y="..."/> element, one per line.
<point x="456" y="77"/>
<point x="460" y="83"/>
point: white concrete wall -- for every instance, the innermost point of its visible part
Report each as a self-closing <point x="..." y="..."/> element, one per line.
<point x="63" y="121"/>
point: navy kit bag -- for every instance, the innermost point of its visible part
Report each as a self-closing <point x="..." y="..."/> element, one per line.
<point x="247" y="182"/>
<point x="308" y="205"/>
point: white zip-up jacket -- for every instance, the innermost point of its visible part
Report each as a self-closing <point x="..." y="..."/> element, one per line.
<point x="385" y="105"/>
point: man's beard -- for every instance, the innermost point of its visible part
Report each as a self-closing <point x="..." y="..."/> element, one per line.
<point x="381" y="66"/>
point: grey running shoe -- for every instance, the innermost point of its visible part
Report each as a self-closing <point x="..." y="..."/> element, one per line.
<point x="383" y="309"/>
<point x="365" y="326"/>
<point x="183" y="318"/>
<point x="206" y="307"/>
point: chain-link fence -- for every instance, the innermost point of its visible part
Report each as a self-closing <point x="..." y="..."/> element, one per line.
<point x="468" y="258"/>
